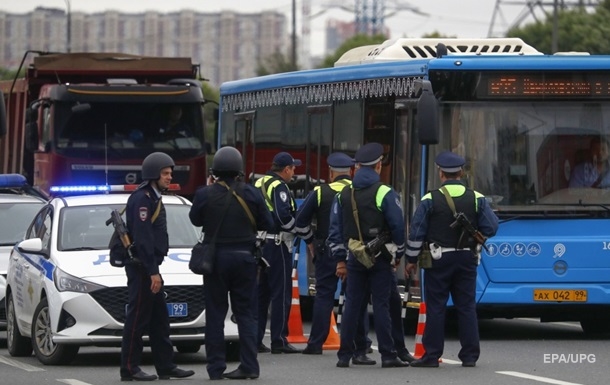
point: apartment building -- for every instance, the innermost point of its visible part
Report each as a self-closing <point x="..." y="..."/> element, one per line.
<point x="228" y="45"/>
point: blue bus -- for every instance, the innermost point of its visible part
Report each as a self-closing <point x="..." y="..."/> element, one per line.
<point x="525" y="122"/>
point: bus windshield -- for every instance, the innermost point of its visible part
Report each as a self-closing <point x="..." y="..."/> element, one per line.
<point x="127" y="130"/>
<point x="532" y="156"/>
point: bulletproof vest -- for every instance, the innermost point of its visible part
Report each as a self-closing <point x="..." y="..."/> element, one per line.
<point x="372" y="221"/>
<point x="326" y="194"/>
<point x="441" y="218"/>
<point x="236" y="226"/>
<point x="266" y="185"/>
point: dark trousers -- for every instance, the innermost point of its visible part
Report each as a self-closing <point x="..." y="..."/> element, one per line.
<point x="235" y="278"/>
<point x="275" y="288"/>
<point x="379" y="280"/>
<point x="146" y="314"/>
<point x="324" y="303"/>
<point x="455" y="273"/>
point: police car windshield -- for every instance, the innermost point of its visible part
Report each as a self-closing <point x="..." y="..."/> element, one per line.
<point x="84" y="227"/>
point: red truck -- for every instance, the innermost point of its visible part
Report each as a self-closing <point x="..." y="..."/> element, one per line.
<point x="91" y="118"/>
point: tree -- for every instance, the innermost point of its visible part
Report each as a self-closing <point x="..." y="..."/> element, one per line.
<point x="210" y="111"/>
<point x="6" y="74"/>
<point x="577" y="31"/>
<point x="356" y="41"/>
<point x="275" y="64"/>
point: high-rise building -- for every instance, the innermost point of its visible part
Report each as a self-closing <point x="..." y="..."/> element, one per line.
<point x="227" y="45"/>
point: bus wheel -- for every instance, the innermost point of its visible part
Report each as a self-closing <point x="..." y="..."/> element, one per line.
<point x="595" y="325"/>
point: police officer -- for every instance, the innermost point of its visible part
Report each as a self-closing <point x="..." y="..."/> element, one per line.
<point x="316" y="207"/>
<point x="147" y="310"/>
<point x="216" y="209"/>
<point x="378" y="210"/>
<point x="275" y="285"/>
<point x="454" y="261"/>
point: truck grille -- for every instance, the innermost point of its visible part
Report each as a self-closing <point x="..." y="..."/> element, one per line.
<point x="114" y="299"/>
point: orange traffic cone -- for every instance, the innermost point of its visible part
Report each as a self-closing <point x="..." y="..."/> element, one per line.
<point x="421" y="325"/>
<point x="332" y="341"/>
<point x="295" y="321"/>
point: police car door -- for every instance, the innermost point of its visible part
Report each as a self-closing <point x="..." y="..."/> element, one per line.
<point x="35" y="267"/>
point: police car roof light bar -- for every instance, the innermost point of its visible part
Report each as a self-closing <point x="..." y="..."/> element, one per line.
<point x="96" y="189"/>
<point x="12" y="181"/>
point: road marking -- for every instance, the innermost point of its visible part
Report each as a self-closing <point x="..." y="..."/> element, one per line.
<point x="70" y="381"/>
<point x="538" y="378"/>
<point x="20" y="365"/>
<point x="450" y="362"/>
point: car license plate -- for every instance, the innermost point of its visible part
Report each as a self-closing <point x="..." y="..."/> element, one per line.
<point x="559" y="295"/>
<point x="178" y="309"/>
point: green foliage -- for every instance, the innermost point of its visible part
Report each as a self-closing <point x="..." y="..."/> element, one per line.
<point x="210" y="111"/>
<point x="275" y="64"/>
<point x="6" y="74"/>
<point x="356" y="41"/>
<point x="577" y="31"/>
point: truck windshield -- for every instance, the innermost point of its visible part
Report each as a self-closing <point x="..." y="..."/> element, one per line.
<point x="532" y="157"/>
<point x="128" y="130"/>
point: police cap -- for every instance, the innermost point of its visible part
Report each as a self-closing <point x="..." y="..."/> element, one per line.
<point x="369" y="154"/>
<point x="339" y="161"/>
<point x="449" y="162"/>
<point x="283" y="159"/>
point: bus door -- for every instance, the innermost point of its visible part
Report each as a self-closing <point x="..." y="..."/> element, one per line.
<point x="406" y="165"/>
<point x="319" y="127"/>
<point x="379" y="127"/>
<point x="243" y="129"/>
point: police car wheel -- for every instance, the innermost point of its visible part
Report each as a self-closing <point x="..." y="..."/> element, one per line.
<point x="48" y="352"/>
<point x="188" y="347"/>
<point x="17" y="345"/>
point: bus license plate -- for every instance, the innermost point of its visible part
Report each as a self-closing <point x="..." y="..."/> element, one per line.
<point x="558" y="295"/>
<point x="179" y="309"/>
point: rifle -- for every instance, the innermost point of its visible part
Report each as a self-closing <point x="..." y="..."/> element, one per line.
<point x="462" y="220"/>
<point x="121" y="229"/>
<point x="374" y="246"/>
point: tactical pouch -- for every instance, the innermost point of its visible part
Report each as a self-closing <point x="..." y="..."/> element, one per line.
<point x="425" y="257"/>
<point x="359" y="250"/>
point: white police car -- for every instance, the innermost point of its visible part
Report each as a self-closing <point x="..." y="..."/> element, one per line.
<point x="19" y="202"/>
<point x="63" y="293"/>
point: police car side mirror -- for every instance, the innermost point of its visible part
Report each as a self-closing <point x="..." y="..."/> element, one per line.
<point x="32" y="245"/>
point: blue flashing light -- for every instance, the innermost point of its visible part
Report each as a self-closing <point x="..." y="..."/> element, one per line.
<point x="12" y="181"/>
<point x="80" y="189"/>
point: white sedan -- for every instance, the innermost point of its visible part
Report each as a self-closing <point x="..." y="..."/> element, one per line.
<point x="63" y="293"/>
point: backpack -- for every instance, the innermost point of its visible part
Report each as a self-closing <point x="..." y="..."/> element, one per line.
<point x="119" y="254"/>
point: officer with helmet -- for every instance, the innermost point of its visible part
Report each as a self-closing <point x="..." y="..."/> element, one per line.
<point x="377" y="210"/>
<point x="234" y="211"/>
<point x="147" y="310"/>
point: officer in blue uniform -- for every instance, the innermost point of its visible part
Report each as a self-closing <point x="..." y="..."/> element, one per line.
<point x="146" y="309"/>
<point x="275" y="282"/>
<point x="316" y="208"/>
<point x="454" y="259"/>
<point x="216" y="209"/>
<point x="379" y="211"/>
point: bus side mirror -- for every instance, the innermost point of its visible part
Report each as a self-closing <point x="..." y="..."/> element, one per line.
<point x="426" y="119"/>
<point x="2" y="116"/>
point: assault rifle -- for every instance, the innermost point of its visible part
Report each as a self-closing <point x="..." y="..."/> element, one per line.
<point x="462" y="220"/>
<point x="374" y="246"/>
<point x="121" y="230"/>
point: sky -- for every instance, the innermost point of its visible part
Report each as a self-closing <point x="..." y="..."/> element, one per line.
<point x="461" y="18"/>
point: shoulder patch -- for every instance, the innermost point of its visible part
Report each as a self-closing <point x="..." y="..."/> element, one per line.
<point x="283" y="196"/>
<point x="398" y="203"/>
<point x="143" y="213"/>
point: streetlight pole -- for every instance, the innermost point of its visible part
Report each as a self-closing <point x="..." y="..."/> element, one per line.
<point x="69" y="26"/>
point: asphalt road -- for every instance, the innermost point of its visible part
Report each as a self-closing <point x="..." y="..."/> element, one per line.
<point x="514" y="352"/>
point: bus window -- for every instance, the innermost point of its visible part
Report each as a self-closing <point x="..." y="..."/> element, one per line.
<point x="348" y="126"/>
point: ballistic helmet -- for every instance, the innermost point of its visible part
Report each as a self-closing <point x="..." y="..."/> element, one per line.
<point x="154" y="163"/>
<point x="227" y="160"/>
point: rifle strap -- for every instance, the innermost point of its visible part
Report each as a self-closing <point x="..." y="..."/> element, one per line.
<point x="355" y="211"/>
<point x="243" y="204"/>
<point x="155" y="214"/>
<point x="449" y="198"/>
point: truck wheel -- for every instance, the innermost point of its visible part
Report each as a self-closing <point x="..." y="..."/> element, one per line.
<point x="17" y="345"/>
<point x="48" y="352"/>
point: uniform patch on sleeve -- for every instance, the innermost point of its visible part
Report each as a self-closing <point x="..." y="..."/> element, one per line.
<point x="398" y="203"/>
<point x="143" y="213"/>
<point x="283" y="196"/>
